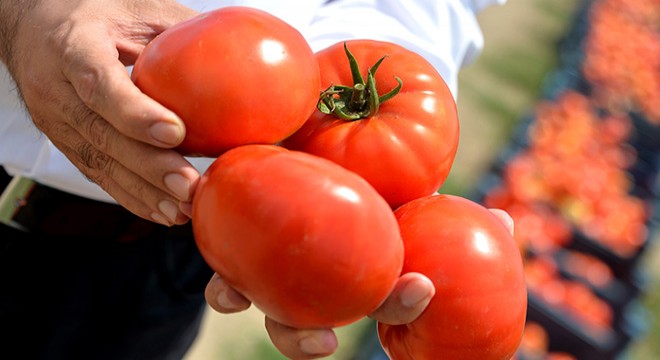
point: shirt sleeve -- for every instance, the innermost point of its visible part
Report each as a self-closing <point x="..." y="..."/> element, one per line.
<point x="445" y="32"/>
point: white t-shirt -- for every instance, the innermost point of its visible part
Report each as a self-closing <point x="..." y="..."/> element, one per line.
<point x="445" y="32"/>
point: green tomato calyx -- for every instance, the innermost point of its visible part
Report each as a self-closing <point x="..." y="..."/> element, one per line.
<point x="358" y="101"/>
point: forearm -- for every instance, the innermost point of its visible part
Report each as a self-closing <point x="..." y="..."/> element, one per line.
<point x="11" y="13"/>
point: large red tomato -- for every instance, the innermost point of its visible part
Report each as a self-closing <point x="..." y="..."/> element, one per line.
<point x="404" y="145"/>
<point x="480" y="304"/>
<point x="310" y="243"/>
<point x="235" y="76"/>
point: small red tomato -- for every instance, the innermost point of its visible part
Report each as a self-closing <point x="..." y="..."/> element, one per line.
<point x="389" y="117"/>
<point x="310" y="243"/>
<point x="480" y="305"/>
<point x="235" y="76"/>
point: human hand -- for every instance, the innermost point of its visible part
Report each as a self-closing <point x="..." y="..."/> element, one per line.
<point x="410" y="297"/>
<point x="69" y="61"/>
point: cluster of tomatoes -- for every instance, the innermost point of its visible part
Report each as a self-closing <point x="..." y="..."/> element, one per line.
<point x="574" y="296"/>
<point x="571" y="176"/>
<point x="323" y="190"/>
<point x="536" y="344"/>
<point x="580" y="184"/>
<point x="573" y="172"/>
<point x="622" y="55"/>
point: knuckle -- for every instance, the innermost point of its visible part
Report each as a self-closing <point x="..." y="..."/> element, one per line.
<point x="78" y="113"/>
<point x="59" y="38"/>
<point x="90" y="124"/>
<point x="93" y="159"/>
<point x="88" y="86"/>
<point x="141" y="189"/>
<point x="76" y="60"/>
<point x="96" y="131"/>
<point x="97" y="178"/>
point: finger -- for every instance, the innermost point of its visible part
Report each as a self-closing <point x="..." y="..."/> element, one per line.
<point x="301" y="344"/>
<point x="505" y="218"/>
<point x="115" y="179"/>
<point x="155" y="17"/>
<point x="223" y="298"/>
<point x="166" y="169"/>
<point x="102" y="82"/>
<point x="410" y="296"/>
<point x="157" y="180"/>
<point x="186" y="208"/>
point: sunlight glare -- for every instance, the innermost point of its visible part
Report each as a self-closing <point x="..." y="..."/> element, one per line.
<point x="272" y="51"/>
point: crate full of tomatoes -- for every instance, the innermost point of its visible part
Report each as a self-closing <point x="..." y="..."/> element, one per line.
<point x="580" y="179"/>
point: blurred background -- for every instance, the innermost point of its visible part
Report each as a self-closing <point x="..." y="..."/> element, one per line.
<point x="560" y="122"/>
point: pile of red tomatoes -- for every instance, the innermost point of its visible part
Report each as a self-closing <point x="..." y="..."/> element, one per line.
<point x="581" y="183"/>
<point x="323" y="190"/>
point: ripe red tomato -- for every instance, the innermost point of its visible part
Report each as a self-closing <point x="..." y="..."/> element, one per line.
<point x="405" y="145"/>
<point x="235" y="76"/>
<point x="480" y="305"/>
<point x="310" y="243"/>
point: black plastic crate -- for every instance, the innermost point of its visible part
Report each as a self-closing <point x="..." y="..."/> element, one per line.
<point x="625" y="268"/>
<point x="570" y="49"/>
<point x="645" y="174"/>
<point x="618" y="294"/>
<point x="646" y="137"/>
<point x="570" y="336"/>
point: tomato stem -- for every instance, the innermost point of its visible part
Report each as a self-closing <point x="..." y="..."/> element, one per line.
<point x="357" y="97"/>
<point x="359" y="101"/>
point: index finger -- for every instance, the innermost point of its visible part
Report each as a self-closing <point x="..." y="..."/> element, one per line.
<point x="102" y="82"/>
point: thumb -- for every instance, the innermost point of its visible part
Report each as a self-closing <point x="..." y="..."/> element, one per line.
<point x="153" y="18"/>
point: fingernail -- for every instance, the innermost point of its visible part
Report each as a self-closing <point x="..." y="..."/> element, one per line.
<point x="167" y="133"/>
<point x="178" y="185"/>
<point x="186" y="209"/>
<point x="169" y="209"/>
<point x="415" y="292"/>
<point x="159" y="219"/>
<point x="227" y="301"/>
<point x="317" y="343"/>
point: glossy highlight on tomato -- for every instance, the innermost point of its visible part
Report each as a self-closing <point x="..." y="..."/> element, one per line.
<point x="310" y="243"/>
<point x="405" y="148"/>
<point x="235" y="76"/>
<point x="479" y="309"/>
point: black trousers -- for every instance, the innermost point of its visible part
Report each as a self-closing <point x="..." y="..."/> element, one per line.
<point x="114" y="287"/>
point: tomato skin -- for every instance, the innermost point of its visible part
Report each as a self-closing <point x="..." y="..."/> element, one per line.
<point x="480" y="305"/>
<point x="311" y="244"/>
<point x="235" y="76"/>
<point x="407" y="148"/>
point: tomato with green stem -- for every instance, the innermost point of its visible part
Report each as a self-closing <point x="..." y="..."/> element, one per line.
<point x="235" y="76"/>
<point x="396" y="126"/>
